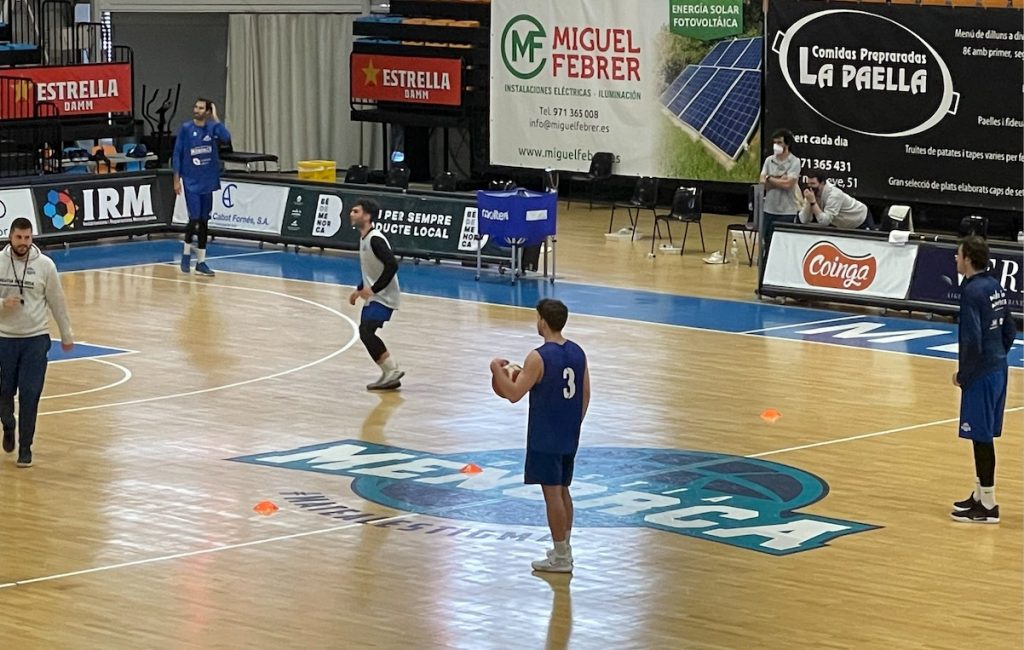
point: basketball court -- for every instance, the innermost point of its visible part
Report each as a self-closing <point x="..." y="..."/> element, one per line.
<point x="702" y="520"/>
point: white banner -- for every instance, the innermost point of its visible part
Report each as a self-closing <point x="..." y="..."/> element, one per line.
<point x="827" y="262"/>
<point x="246" y="207"/>
<point x="14" y="204"/>
<point x="569" y="79"/>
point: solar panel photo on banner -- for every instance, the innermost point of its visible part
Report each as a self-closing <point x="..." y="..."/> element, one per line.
<point x="720" y="97"/>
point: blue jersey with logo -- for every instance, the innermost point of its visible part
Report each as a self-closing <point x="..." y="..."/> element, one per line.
<point x="556" y="401"/>
<point x="986" y="331"/>
<point x="196" y="156"/>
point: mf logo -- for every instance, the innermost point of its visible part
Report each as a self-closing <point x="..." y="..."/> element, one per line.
<point x="743" y="502"/>
<point x="520" y="42"/>
<point x="132" y="202"/>
<point x="228" y="195"/>
<point x="3" y="209"/>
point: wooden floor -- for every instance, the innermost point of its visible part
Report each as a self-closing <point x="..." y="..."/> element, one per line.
<point x="134" y="530"/>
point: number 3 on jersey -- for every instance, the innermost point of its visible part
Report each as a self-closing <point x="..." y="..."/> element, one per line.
<point x="570" y="383"/>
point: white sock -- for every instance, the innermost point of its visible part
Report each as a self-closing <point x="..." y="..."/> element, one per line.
<point x="389" y="364"/>
<point x="562" y="549"/>
<point x="201" y="256"/>
<point x="988" y="497"/>
<point x="188" y="249"/>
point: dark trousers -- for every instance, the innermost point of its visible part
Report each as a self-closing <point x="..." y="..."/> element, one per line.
<point x="22" y="371"/>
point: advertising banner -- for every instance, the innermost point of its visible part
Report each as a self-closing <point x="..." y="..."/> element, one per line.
<point x="672" y="88"/>
<point x="244" y="207"/>
<point x="902" y="102"/>
<point x="409" y="79"/>
<point x="76" y="89"/>
<point x="830" y="263"/>
<point x="97" y="203"/>
<point x="936" y="280"/>
<point x="422" y="225"/>
<point x="14" y="204"/>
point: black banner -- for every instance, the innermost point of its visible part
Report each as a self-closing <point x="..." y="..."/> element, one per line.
<point x="902" y="102"/>
<point x="98" y="203"/>
<point x="935" y="278"/>
<point x="414" y="224"/>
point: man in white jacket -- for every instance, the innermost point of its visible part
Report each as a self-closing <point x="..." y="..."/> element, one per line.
<point x="29" y="285"/>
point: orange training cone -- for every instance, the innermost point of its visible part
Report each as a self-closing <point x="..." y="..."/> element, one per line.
<point x="265" y="508"/>
<point x="470" y="468"/>
<point x="770" y="415"/>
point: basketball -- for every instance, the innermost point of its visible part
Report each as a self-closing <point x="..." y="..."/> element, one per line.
<point x="512" y="370"/>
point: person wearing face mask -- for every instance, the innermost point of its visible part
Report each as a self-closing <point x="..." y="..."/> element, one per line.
<point x="780" y="175"/>
<point x="826" y="204"/>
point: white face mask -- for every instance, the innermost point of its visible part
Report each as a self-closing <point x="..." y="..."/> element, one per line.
<point x="777" y="148"/>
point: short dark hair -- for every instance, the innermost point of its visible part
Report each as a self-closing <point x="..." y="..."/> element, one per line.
<point x="554" y="313"/>
<point x="369" y="206"/>
<point x="974" y="249"/>
<point x="786" y="135"/>
<point x="207" y="102"/>
<point x="21" y="223"/>
<point x="817" y="173"/>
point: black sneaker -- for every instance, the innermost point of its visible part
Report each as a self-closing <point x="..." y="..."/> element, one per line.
<point x="966" y="504"/>
<point x="8" y="440"/>
<point x="978" y="514"/>
<point x="24" y="458"/>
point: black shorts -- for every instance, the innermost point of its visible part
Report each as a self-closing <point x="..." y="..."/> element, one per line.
<point x="548" y="469"/>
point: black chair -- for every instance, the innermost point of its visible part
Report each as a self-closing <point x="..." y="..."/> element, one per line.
<point x="745" y="229"/>
<point x="645" y="197"/>
<point x="446" y="182"/>
<point x="686" y="208"/>
<point x="600" y="170"/>
<point x="398" y="176"/>
<point x="357" y="174"/>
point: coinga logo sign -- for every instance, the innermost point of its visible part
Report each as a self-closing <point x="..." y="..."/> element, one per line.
<point x="744" y="502"/>
<point x="851" y="66"/>
<point x="828" y="267"/>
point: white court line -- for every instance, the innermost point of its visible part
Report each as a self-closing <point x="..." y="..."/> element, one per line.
<point x="205" y="551"/>
<point x="203" y="391"/>
<point x="125" y="376"/>
<point x="813" y="322"/>
<point x="862" y="436"/>
<point x="164" y="263"/>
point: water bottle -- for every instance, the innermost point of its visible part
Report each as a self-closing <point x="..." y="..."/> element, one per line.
<point x="734" y="251"/>
<point x="1020" y="237"/>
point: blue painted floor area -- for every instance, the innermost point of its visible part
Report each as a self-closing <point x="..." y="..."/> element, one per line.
<point x="81" y="351"/>
<point x="916" y="337"/>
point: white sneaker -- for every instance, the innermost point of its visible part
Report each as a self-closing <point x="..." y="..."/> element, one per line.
<point x="388" y="381"/>
<point x="551" y="554"/>
<point x="554" y="564"/>
<point x="715" y="258"/>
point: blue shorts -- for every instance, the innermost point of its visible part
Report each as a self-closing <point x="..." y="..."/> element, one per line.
<point x="981" y="407"/>
<point x="548" y="469"/>
<point x="377" y="311"/>
<point x="199" y="205"/>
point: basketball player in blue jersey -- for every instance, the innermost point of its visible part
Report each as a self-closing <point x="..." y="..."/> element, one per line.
<point x="558" y="380"/>
<point x="196" y="163"/>
<point x="986" y="334"/>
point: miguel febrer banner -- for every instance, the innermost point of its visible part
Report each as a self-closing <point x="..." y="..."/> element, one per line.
<point x="413" y="224"/>
<point x="79" y="89"/>
<point x="902" y="102"/>
<point x="408" y="79"/>
<point x="672" y="88"/>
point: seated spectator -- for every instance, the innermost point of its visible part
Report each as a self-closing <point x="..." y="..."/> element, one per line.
<point x="827" y="205"/>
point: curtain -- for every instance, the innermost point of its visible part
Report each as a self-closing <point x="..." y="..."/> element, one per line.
<point x="288" y="90"/>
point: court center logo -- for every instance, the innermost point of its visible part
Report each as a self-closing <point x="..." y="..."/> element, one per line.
<point x="60" y="209"/>
<point x="522" y="46"/>
<point x="743" y="502"/>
